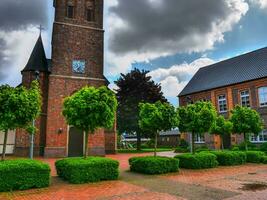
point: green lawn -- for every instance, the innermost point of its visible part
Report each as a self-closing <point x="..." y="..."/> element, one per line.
<point x="143" y="150"/>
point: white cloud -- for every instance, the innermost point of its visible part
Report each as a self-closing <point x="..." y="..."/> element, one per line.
<point x="261" y="3"/>
<point x="19" y="45"/>
<point x="174" y="79"/>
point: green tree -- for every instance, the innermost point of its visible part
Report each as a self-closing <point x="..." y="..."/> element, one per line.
<point x="134" y="88"/>
<point x="197" y="118"/>
<point x="89" y="109"/>
<point x="18" y="107"/>
<point x="246" y="121"/>
<point x="157" y="117"/>
<point x="221" y="127"/>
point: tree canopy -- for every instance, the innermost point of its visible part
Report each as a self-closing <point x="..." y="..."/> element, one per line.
<point x="246" y="121"/>
<point x="197" y="118"/>
<point x="134" y="88"/>
<point x="18" y="107"/>
<point x="89" y="109"/>
<point x="157" y="117"/>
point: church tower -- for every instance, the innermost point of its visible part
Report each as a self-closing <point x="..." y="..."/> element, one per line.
<point x="77" y="61"/>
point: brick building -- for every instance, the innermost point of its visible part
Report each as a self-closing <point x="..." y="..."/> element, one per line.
<point x="241" y="80"/>
<point x="77" y="61"/>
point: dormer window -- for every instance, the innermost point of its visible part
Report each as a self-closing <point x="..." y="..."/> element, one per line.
<point x="70" y="11"/>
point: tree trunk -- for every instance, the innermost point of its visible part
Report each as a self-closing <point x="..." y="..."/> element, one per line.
<point x="156" y="144"/>
<point x="138" y="142"/>
<point x="86" y="145"/>
<point x="32" y="141"/>
<point x="193" y="142"/>
<point x="222" y="143"/>
<point x="245" y="140"/>
<point x="4" y="146"/>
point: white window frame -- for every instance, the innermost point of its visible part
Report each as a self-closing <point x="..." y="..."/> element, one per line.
<point x="245" y="98"/>
<point x="222" y="100"/>
<point x="199" y="139"/>
<point x="262" y="94"/>
<point x="259" y="138"/>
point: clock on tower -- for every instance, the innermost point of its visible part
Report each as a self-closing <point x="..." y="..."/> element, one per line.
<point x="78" y="66"/>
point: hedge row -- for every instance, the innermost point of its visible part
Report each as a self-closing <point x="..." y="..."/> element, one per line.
<point x="23" y="174"/>
<point x="201" y="160"/>
<point x="228" y="158"/>
<point x="92" y="169"/>
<point x="255" y="156"/>
<point x="153" y="165"/>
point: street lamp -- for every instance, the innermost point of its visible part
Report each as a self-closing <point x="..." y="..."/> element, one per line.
<point x="37" y="77"/>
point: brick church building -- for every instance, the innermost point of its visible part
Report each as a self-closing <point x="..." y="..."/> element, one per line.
<point x="77" y="61"/>
<point x="241" y="80"/>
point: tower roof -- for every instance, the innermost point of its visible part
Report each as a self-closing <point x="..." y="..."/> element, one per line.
<point x="37" y="60"/>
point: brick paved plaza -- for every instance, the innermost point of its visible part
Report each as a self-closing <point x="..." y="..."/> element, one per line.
<point x="231" y="183"/>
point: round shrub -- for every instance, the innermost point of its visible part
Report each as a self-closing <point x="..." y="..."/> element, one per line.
<point x="153" y="165"/>
<point x="91" y="169"/>
<point x="228" y="158"/>
<point x="201" y="160"/>
<point x="23" y="174"/>
<point x="264" y="160"/>
<point x="255" y="156"/>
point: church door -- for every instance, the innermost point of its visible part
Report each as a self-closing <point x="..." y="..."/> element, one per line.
<point x="75" y="147"/>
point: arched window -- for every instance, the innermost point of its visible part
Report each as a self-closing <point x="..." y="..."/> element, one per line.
<point x="90" y="11"/>
<point x="262" y="92"/>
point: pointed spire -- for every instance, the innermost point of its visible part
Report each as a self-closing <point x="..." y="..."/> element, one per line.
<point x="37" y="60"/>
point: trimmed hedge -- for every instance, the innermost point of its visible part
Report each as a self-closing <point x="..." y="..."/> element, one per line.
<point x="153" y="165"/>
<point x="181" y="150"/>
<point x="254" y="156"/>
<point x="201" y="160"/>
<point x="229" y="158"/>
<point x="92" y="169"/>
<point x="23" y="174"/>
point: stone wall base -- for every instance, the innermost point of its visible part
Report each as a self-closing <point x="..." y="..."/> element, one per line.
<point x="25" y="151"/>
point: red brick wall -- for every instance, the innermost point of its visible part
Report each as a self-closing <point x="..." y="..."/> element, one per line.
<point x="74" y="39"/>
<point x="232" y="93"/>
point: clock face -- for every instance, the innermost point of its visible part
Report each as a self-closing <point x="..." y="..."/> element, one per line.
<point x="78" y="66"/>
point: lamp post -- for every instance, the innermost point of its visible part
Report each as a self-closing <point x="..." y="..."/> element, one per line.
<point x="36" y="74"/>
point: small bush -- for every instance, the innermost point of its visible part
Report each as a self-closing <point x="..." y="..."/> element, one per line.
<point x="92" y="169"/>
<point x="264" y="160"/>
<point x="255" y="156"/>
<point x="235" y="148"/>
<point x="183" y="144"/>
<point x="251" y="146"/>
<point x="201" y="160"/>
<point x="202" y="148"/>
<point x="263" y="147"/>
<point x="23" y="174"/>
<point x="153" y="165"/>
<point x="181" y="150"/>
<point x="228" y="158"/>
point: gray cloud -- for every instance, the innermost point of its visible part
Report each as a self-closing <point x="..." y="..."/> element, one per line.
<point x="172" y="25"/>
<point x="2" y="60"/>
<point x="18" y="15"/>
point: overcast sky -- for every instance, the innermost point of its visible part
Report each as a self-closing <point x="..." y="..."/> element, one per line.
<point x="171" y="38"/>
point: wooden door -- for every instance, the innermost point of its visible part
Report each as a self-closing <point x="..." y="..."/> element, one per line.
<point x="76" y="138"/>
